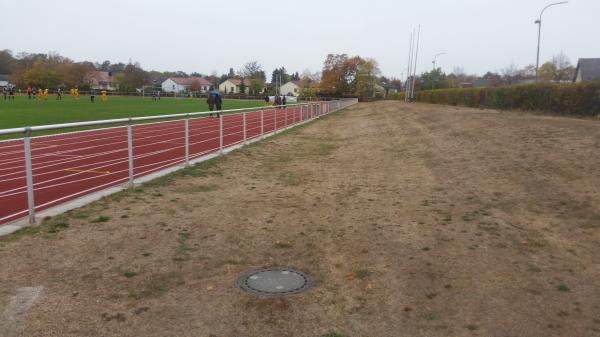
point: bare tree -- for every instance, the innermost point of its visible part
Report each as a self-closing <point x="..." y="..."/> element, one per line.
<point x="509" y="73"/>
<point x="251" y="69"/>
<point x="564" y="69"/>
<point x="527" y="72"/>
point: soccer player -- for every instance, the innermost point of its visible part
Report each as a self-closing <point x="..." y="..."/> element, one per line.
<point x="4" y="92"/>
<point x="104" y="97"/>
<point x="59" y="94"/>
<point x="11" y="93"/>
<point x="29" y="91"/>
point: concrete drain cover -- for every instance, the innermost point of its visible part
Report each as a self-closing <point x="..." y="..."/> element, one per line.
<point x="274" y="282"/>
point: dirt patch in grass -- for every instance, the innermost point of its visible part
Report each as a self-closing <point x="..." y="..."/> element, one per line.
<point x="413" y="220"/>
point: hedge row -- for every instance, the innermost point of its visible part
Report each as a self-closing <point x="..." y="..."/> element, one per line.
<point x="581" y="99"/>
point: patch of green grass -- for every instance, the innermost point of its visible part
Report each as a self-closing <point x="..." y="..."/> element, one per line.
<point x="563" y="287"/>
<point x="362" y="274"/>
<point x="100" y="219"/>
<point x="202" y="169"/>
<point x="57" y="227"/>
<point x="282" y="245"/>
<point x="79" y="214"/>
<point x="182" y="249"/>
<point x="24" y="112"/>
<point x="156" y="286"/>
<point x="289" y="178"/>
<point x="472" y="327"/>
<point x="197" y="189"/>
<point x="333" y="334"/>
<point x="129" y="274"/>
<point x="25" y="231"/>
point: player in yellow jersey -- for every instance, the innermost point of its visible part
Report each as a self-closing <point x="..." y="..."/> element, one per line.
<point x="104" y="98"/>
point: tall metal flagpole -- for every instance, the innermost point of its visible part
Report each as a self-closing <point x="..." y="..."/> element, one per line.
<point x="412" y="91"/>
<point x="409" y="72"/>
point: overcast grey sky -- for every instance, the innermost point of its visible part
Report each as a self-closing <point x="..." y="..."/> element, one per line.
<point x="206" y="36"/>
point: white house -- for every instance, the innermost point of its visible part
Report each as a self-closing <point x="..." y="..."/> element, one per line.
<point x="4" y="80"/>
<point x="181" y="84"/>
<point x="291" y="88"/>
<point x="232" y="86"/>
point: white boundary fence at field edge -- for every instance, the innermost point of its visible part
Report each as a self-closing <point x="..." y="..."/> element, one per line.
<point x="331" y="106"/>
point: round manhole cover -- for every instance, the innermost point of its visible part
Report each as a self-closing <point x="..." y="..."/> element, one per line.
<point x="274" y="282"/>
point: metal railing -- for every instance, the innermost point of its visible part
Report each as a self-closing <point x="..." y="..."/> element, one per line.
<point x="53" y="169"/>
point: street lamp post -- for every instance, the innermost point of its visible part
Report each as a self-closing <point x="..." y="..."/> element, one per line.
<point x="434" y="59"/>
<point x="539" y="23"/>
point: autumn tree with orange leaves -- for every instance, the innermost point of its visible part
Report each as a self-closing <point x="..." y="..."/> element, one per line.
<point x="340" y="75"/>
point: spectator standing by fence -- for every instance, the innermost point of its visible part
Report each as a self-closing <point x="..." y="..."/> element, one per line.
<point x="214" y="99"/>
<point x="210" y="100"/>
<point x="218" y="100"/>
<point x="29" y="91"/>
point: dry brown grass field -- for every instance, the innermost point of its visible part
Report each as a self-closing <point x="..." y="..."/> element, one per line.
<point x="412" y="220"/>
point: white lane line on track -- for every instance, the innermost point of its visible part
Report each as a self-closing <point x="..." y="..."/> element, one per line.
<point x="58" y="162"/>
<point x="136" y="136"/>
<point x="112" y="162"/>
<point x="141" y="156"/>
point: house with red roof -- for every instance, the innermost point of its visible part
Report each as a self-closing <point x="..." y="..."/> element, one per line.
<point x="101" y="80"/>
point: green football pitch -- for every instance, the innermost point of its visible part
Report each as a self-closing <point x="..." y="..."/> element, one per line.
<point x="29" y="112"/>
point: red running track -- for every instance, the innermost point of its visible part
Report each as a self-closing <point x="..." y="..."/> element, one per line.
<point x="71" y="165"/>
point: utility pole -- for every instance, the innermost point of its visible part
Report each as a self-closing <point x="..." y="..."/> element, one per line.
<point x="434" y="58"/>
<point x="539" y="23"/>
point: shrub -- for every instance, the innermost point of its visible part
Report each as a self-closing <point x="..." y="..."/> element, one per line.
<point x="581" y="99"/>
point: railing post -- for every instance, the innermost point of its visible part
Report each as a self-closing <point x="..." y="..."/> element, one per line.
<point x="285" y="111"/>
<point x="245" y="128"/>
<point x="275" y="127"/>
<point x="221" y="133"/>
<point x="130" y="151"/>
<point x="262" y="124"/>
<point x="187" y="139"/>
<point x="29" y="175"/>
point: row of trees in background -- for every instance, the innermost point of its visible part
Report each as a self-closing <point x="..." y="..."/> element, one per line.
<point x="342" y="75"/>
<point x="53" y="70"/>
<point x="559" y="69"/>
